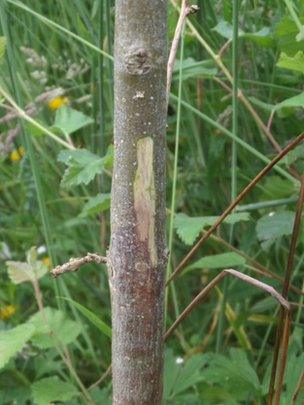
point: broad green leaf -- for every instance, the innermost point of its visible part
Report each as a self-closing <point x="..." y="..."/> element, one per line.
<point x="83" y="166"/>
<point x="58" y="328"/>
<point x="179" y="375"/>
<point x="262" y="37"/>
<point x="172" y="369"/>
<point x="295" y="62"/>
<point x="20" y="272"/>
<point x="224" y="28"/>
<point x="294" y="369"/>
<point x="96" y="205"/>
<point x="2" y="47"/>
<point x="295" y="154"/>
<point x="189" y="228"/>
<point x="234" y="373"/>
<point x="292" y="102"/>
<point x="101" y="396"/>
<point x="190" y="373"/>
<point x="285" y="33"/>
<point x="51" y="389"/>
<point x="102" y="326"/>
<point x="275" y="187"/>
<point x="220" y="261"/>
<point x="275" y="225"/>
<point x="192" y="68"/>
<point x="69" y="120"/>
<point x="13" y="340"/>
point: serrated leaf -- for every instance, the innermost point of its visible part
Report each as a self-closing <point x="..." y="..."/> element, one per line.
<point x="189" y="228"/>
<point x="220" y="261"/>
<point x="190" y="373"/>
<point x="233" y="373"/>
<point x="295" y="62"/>
<point x="285" y="33"/>
<point x="102" y="326"/>
<point x="275" y="225"/>
<point x="83" y="166"/>
<point x="179" y="374"/>
<point x="51" y="389"/>
<point x="69" y="120"/>
<point x="58" y="327"/>
<point x="275" y="187"/>
<point x="19" y="272"/>
<point x="96" y="205"/>
<point x="13" y="340"/>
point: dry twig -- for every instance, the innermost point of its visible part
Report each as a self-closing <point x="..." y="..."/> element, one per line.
<point x="75" y="263"/>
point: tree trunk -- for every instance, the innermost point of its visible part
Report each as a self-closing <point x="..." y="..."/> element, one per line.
<point x="137" y="256"/>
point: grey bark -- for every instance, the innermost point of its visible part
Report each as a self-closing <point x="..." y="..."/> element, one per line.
<point x="137" y="256"/>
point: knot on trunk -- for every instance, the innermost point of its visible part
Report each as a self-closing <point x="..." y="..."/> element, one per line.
<point x="138" y="61"/>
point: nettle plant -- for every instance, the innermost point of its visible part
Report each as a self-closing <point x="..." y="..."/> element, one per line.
<point x="49" y="355"/>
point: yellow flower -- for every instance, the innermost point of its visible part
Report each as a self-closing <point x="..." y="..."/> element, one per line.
<point x="47" y="261"/>
<point x="7" y="311"/>
<point x="57" y="102"/>
<point x="17" y="154"/>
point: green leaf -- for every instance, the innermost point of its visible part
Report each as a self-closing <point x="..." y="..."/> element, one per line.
<point x="190" y="373"/>
<point x="83" y="166"/>
<point x="295" y="62"/>
<point x="69" y="120"/>
<point x="189" y="228"/>
<point x="192" y="68"/>
<point x="262" y="37"/>
<point x="102" y="326"/>
<point x="224" y="28"/>
<point x="222" y="260"/>
<point x="58" y="327"/>
<point x="285" y="33"/>
<point x="51" y="389"/>
<point x="275" y="187"/>
<point x="275" y="225"/>
<point x="292" y="102"/>
<point x="234" y="373"/>
<point x="96" y="205"/>
<point x="13" y="340"/>
<point x="20" y="272"/>
<point x="179" y="375"/>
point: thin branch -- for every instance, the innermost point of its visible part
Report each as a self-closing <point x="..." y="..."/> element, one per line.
<point x="255" y="265"/>
<point x="299" y="386"/>
<point x="218" y="60"/>
<point x="186" y="9"/>
<point x="280" y="341"/>
<point x="234" y="203"/>
<point x="247" y="279"/>
<point x="75" y="263"/>
<point x="102" y="378"/>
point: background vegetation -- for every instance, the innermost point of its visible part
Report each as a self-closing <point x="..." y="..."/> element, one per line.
<point x="55" y="178"/>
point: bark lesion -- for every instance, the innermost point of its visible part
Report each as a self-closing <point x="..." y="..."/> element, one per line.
<point x="144" y="196"/>
<point x="138" y="61"/>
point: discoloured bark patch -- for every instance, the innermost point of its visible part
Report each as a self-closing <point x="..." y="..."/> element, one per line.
<point x="144" y="196"/>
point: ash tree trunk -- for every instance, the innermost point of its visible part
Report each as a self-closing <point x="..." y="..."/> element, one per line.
<point x="137" y="256"/>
